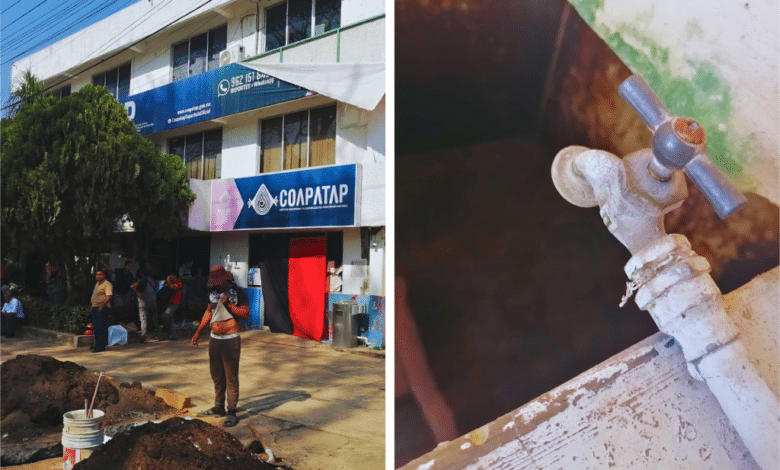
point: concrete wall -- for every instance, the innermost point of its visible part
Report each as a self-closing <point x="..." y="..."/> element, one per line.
<point x="138" y="22"/>
<point x="240" y="149"/>
<point x="716" y="62"/>
<point x="236" y="246"/>
<point x="356" y="10"/>
<point x="75" y="59"/>
<point x="352" y="283"/>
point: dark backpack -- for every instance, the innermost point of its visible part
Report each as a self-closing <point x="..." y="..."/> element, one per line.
<point x="141" y="287"/>
<point x="122" y="281"/>
<point x="164" y="296"/>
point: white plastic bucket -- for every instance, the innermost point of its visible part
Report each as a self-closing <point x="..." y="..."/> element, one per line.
<point x="80" y="436"/>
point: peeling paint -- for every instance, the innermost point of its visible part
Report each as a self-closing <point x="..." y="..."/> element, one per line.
<point x="427" y="465"/>
<point x="644" y="358"/>
<point x="686" y="430"/>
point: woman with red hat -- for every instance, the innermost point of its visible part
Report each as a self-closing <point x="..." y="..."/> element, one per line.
<point x="227" y="303"/>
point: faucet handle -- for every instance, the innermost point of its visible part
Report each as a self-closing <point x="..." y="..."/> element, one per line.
<point x="724" y="197"/>
<point x="679" y="143"/>
<point x="645" y="102"/>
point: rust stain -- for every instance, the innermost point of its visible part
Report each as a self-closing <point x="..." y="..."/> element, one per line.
<point x="598" y="384"/>
<point x="479" y="436"/>
<point x="689" y="130"/>
<point x="646" y="357"/>
<point x="553" y="407"/>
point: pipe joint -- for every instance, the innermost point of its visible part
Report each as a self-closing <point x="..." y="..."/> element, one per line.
<point x="676" y="289"/>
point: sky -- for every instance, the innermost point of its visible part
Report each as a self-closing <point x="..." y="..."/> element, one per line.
<point x="27" y="26"/>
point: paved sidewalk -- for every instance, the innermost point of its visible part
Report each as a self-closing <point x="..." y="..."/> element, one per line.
<point x="316" y="407"/>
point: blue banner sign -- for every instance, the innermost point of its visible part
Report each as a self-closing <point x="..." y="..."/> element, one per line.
<point x="314" y="197"/>
<point x="220" y="92"/>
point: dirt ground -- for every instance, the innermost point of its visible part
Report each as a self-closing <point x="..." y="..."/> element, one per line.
<point x="174" y="444"/>
<point x="38" y="390"/>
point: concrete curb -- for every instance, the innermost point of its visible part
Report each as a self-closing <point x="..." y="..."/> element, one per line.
<point x="83" y="341"/>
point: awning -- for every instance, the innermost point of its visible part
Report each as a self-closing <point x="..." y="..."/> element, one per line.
<point x="361" y="85"/>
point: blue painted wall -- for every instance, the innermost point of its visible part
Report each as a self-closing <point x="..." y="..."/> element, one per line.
<point x="373" y="327"/>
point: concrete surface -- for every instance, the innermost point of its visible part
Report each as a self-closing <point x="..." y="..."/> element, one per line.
<point x="639" y="409"/>
<point x="316" y="407"/>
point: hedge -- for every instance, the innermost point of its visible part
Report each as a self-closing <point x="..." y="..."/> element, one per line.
<point x="73" y="319"/>
<point x="55" y="316"/>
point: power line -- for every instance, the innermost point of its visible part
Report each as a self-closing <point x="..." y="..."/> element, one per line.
<point x="116" y="38"/>
<point x="26" y="13"/>
<point x="17" y="1"/>
<point x="117" y="52"/>
<point x="10" y="41"/>
<point x="64" y="30"/>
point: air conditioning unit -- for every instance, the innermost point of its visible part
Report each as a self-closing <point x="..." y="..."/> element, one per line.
<point x="228" y="56"/>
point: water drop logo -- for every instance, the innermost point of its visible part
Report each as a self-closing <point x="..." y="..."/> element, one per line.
<point x="262" y="202"/>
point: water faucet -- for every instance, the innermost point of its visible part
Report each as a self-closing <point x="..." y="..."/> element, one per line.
<point x="680" y="143"/>
<point x="671" y="281"/>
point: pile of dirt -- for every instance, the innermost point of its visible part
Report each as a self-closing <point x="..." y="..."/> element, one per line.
<point x="176" y="443"/>
<point x="38" y="390"/>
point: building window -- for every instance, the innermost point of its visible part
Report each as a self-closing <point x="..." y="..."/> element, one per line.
<point x="296" y="20"/>
<point x="201" y="153"/>
<point x="116" y="81"/>
<point x="61" y="92"/>
<point x="298" y="140"/>
<point x="199" y="54"/>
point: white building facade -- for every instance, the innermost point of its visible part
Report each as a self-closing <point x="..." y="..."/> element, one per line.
<point x="277" y="109"/>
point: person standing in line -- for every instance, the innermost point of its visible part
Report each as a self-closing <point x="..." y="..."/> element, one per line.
<point x="143" y="288"/>
<point x="12" y="312"/>
<point x="185" y="276"/>
<point x="174" y="285"/>
<point x="227" y="303"/>
<point x="122" y="280"/>
<point x="101" y="310"/>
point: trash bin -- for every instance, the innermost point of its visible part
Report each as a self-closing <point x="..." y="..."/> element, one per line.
<point x="344" y="324"/>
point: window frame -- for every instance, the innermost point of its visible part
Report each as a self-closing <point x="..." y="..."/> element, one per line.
<point x="287" y="27"/>
<point x="203" y="156"/>
<point x="62" y="92"/>
<point x="207" y="60"/>
<point x="118" y="87"/>
<point x="282" y="161"/>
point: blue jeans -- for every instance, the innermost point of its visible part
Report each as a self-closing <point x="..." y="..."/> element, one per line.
<point x="100" y="323"/>
<point x="9" y="325"/>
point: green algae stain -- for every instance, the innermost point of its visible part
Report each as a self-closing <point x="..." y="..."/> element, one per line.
<point x="705" y="97"/>
<point x="587" y="9"/>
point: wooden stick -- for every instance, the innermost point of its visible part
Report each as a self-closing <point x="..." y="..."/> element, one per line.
<point x="89" y="413"/>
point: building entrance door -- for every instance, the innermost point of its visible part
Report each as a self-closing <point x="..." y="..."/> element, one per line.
<point x="306" y="284"/>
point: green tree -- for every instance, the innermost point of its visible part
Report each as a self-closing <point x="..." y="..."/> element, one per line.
<point x="24" y="90"/>
<point x="74" y="167"/>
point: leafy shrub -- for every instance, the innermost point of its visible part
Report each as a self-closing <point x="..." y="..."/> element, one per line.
<point x="55" y="316"/>
<point x="49" y="315"/>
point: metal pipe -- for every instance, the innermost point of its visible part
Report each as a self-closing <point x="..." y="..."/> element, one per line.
<point x="676" y="289"/>
<point x="674" y="284"/>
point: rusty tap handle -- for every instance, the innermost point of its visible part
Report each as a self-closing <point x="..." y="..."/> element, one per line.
<point x="679" y="143"/>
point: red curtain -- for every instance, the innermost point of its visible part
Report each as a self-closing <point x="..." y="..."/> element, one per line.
<point x="306" y="287"/>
